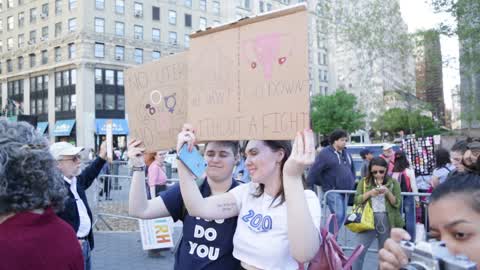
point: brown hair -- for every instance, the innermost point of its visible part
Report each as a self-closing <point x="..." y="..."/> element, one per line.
<point x="149" y="157"/>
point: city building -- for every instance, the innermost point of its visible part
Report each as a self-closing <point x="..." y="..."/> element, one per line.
<point x="428" y="72"/>
<point x="468" y="12"/>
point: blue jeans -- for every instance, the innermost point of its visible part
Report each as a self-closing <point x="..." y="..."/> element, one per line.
<point x="337" y="203"/>
<point x="410" y="215"/>
<point x="86" y="255"/>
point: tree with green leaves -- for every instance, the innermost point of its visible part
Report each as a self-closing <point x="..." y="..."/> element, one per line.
<point x="336" y="111"/>
<point x="396" y="119"/>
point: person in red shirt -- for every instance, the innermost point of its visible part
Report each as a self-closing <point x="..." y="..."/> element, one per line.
<point x="31" y="188"/>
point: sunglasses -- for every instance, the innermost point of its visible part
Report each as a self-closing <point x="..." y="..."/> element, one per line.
<point x="74" y="158"/>
<point x="378" y="172"/>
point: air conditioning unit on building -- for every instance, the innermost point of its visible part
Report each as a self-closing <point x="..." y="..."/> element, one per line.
<point x="43" y="15"/>
<point x="138" y="13"/>
<point x="118" y="58"/>
<point x="138" y="37"/>
<point x="31" y="42"/>
<point x="43" y="38"/>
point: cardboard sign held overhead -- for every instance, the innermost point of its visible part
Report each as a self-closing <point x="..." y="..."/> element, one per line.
<point x="249" y="79"/>
<point x="156" y="101"/>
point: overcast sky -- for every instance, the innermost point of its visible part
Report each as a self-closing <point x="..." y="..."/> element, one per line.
<point x="419" y="15"/>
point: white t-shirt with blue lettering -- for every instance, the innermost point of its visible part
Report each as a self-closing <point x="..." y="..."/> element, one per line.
<point x="261" y="237"/>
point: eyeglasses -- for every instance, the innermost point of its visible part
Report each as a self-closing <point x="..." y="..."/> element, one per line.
<point x="378" y="172"/>
<point x="74" y="158"/>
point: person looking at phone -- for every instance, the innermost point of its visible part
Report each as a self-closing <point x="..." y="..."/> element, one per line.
<point x="384" y="195"/>
<point x="278" y="220"/>
<point x="454" y="213"/>
<point x="206" y="244"/>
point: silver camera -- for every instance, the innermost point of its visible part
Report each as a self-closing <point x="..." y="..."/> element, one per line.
<point x="433" y="255"/>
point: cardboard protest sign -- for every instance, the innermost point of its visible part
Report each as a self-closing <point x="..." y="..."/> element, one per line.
<point x="156" y="233"/>
<point x="156" y="103"/>
<point x="249" y="79"/>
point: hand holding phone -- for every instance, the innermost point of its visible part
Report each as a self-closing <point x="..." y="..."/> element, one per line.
<point x="193" y="160"/>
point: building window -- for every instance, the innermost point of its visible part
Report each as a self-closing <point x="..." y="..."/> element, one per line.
<point x="98" y="76"/>
<point x="72" y="4"/>
<point x="109" y="77"/>
<point x="33" y="15"/>
<point x="119" y="53"/>
<point x="58" y="29"/>
<point x="72" y="25"/>
<point x="156" y="35"/>
<point x="65" y="102"/>
<point x="119" y="29"/>
<point x="188" y="3"/>
<point x="32" y="60"/>
<point x="138" y="9"/>
<point x="188" y="20"/>
<point x="9" y="44"/>
<point x="21" y="19"/>
<point x="202" y="23"/>
<point x="73" y="102"/>
<point x="45" y="33"/>
<point x="20" y="62"/>
<point x="71" y="51"/>
<point x="138" y="32"/>
<point x="100" y="4"/>
<point x="1" y="25"/>
<point x="9" y="3"/>
<point x="58" y="7"/>
<point x="139" y="56"/>
<point x="99" y="50"/>
<point x="10" y="23"/>
<point x="155" y="13"/>
<point x="58" y="103"/>
<point x="33" y="37"/>
<point x="269" y="7"/>
<point x="66" y="78"/>
<point x="109" y="102"/>
<point x="172" y="17"/>
<point x="99" y="25"/>
<point x="216" y="7"/>
<point x="44" y="57"/>
<point x="58" y="54"/>
<point x="1" y="46"/>
<point x="98" y="102"/>
<point x="186" y="41"/>
<point x="9" y="65"/>
<point x="203" y="5"/>
<point x="120" y="6"/>
<point x="172" y="38"/>
<point x="156" y="55"/>
<point x="120" y="102"/>
<point x="21" y="40"/>
<point x="44" y="13"/>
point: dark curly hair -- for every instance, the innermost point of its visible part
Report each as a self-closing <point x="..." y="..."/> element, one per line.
<point x="29" y="178"/>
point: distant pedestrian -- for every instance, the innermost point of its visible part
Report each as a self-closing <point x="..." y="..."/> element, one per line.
<point x="31" y="189"/>
<point x="333" y="169"/>
<point x="442" y="167"/>
<point x="389" y="156"/>
<point x="456" y="156"/>
<point x="366" y="156"/>
<point x="157" y="178"/>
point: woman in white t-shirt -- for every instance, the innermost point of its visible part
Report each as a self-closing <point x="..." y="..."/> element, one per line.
<point x="442" y="167"/>
<point x="278" y="221"/>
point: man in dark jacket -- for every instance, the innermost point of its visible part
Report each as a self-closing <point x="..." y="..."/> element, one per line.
<point x="77" y="212"/>
<point x="333" y="169"/>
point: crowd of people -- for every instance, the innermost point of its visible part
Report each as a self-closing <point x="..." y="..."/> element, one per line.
<point x="253" y="209"/>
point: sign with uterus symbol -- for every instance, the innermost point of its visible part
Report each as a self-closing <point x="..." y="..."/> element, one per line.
<point x="249" y="79"/>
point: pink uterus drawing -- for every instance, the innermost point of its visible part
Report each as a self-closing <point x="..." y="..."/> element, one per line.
<point x="266" y="49"/>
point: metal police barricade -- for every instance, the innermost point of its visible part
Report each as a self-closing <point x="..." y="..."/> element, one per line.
<point x="346" y="238"/>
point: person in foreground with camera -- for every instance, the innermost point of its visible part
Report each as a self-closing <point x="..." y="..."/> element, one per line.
<point x="454" y="214"/>
<point x="278" y="220"/>
<point x="382" y="193"/>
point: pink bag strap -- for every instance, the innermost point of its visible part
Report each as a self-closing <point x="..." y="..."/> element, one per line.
<point x="335" y="222"/>
<point x="353" y="257"/>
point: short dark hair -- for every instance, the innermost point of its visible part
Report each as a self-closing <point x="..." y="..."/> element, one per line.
<point x="364" y="153"/>
<point x="460" y="146"/>
<point x="401" y="162"/>
<point x="29" y="178"/>
<point x="337" y="134"/>
<point x="466" y="184"/>
<point x="442" y="158"/>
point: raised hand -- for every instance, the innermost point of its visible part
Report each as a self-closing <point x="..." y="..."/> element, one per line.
<point x="187" y="135"/>
<point x="303" y="154"/>
<point x="135" y="153"/>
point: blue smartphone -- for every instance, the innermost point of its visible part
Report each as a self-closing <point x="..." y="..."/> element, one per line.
<point x="193" y="160"/>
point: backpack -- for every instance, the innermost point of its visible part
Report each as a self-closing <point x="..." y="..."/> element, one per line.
<point x="404" y="181"/>
<point x="330" y="255"/>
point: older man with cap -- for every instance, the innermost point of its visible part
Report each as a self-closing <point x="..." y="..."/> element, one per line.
<point x="77" y="212"/>
<point x="389" y="156"/>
